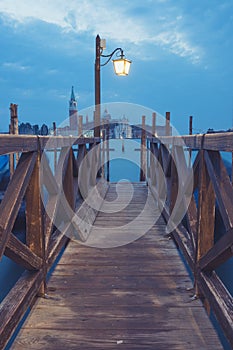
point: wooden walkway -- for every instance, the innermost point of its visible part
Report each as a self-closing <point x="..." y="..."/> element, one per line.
<point x="134" y="296"/>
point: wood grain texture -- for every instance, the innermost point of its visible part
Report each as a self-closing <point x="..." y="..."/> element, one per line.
<point x="134" y="296"/>
<point x="216" y="142"/>
<point x="10" y="203"/>
<point x="18" y="143"/>
<point x="211" y="196"/>
<point x="16" y="303"/>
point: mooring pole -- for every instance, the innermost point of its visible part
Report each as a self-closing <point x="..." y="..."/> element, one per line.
<point x="143" y="150"/>
<point x="153" y="124"/>
<point x="13" y="130"/>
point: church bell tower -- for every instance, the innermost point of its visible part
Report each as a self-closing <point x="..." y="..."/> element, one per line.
<point x="73" y="112"/>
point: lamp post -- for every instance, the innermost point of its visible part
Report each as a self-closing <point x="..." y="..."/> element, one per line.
<point x="121" y="67"/>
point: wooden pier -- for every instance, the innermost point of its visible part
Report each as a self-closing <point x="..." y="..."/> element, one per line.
<point x="122" y="282"/>
<point x="136" y="296"/>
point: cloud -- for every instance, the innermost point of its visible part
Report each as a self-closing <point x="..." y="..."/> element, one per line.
<point x="177" y="44"/>
<point x="15" y="66"/>
<point x="158" y="24"/>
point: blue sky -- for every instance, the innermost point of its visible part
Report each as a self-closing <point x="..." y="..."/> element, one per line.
<point x="182" y="53"/>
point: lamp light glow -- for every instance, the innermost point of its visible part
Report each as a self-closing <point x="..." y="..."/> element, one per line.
<point x="121" y="66"/>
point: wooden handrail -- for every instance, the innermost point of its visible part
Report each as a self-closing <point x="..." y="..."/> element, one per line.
<point x="43" y="239"/>
<point x="207" y="185"/>
<point x="216" y="141"/>
<point x="208" y="189"/>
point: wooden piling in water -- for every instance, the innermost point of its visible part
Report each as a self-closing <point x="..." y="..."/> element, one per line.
<point x="143" y="150"/>
<point x="153" y="129"/>
<point x="167" y="127"/>
<point x="13" y="130"/>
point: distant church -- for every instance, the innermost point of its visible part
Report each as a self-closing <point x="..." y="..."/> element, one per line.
<point x="73" y="112"/>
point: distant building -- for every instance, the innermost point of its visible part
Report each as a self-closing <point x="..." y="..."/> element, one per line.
<point x="28" y="129"/>
<point x="72" y="127"/>
<point x="106" y="116"/>
<point x="73" y="112"/>
<point x="123" y="129"/>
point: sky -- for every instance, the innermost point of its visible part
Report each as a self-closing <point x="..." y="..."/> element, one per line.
<point x="181" y="52"/>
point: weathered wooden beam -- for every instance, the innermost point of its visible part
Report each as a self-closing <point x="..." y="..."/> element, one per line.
<point x="179" y="234"/>
<point x="51" y="210"/>
<point x="68" y="199"/>
<point x="54" y="200"/>
<point x="174" y="182"/>
<point x="47" y="178"/>
<point x="215" y="142"/>
<point x="196" y="171"/>
<point x="206" y="213"/>
<point x="17" y="301"/>
<point x="220" y="301"/>
<point x="56" y="243"/>
<point x="153" y="162"/>
<point x="222" y="186"/>
<point x="181" y="187"/>
<point x="35" y="236"/>
<point x="94" y="163"/>
<point x="13" y="197"/>
<point x="18" y="144"/>
<point x="21" y="254"/>
<point x="219" y="253"/>
<point x="181" y="237"/>
<point x="161" y="184"/>
<point x="166" y="159"/>
<point x="62" y="166"/>
<point x="84" y="171"/>
<point x="53" y="142"/>
<point x="191" y="217"/>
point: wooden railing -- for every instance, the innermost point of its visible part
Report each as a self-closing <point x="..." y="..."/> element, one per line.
<point x="192" y="195"/>
<point x="189" y="193"/>
<point x="61" y="183"/>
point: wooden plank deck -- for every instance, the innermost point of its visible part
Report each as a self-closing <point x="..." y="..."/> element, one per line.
<point x="134" y="296"/>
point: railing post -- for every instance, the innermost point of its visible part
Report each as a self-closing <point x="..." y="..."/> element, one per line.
<point x="103" y="151"/>
<point x="107" y="148"/>
<point x="35" y="235"/>
<point x="93" y="163"/>
<point x="97" y="114"/>
<point x="97" y="133"/>
<point x="153" y="162"/>
<point x="84" y="171"/>
<point x="68" y="184"/>
<point x="190" y="133"/>
<point x="55" y="150"/>
<point x="174" y="180"/>
<point x="206" y="216"/>
<point x="143" y="150"/>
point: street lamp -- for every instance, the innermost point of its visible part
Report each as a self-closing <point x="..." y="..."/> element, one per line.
<point x="121" y="68"/>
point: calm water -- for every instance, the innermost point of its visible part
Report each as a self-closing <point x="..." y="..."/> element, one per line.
<point x="124" y="165"/>
<point x="124" y="160"/>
